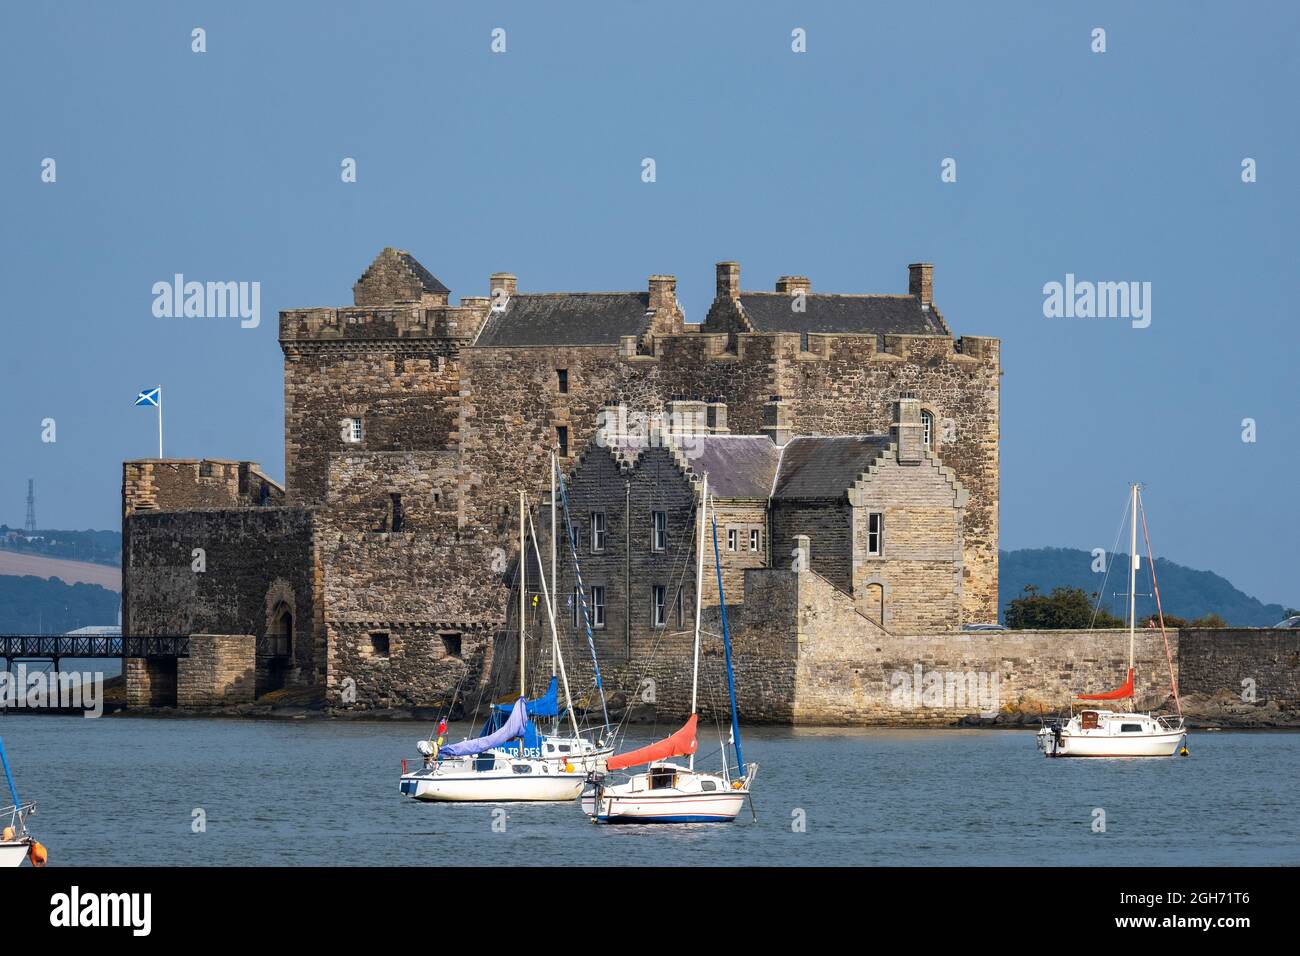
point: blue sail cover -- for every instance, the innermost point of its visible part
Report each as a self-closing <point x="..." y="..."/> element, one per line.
<point x="515" y="726"/>
<point x="548" y="705"/>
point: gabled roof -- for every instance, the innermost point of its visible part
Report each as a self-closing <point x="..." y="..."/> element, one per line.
<point x="566" y="318"/>
<point x="428" y="281"/>
<point x="881" y="314"/>
<point x="825" y="466"/>
<point x="738" y="466"/>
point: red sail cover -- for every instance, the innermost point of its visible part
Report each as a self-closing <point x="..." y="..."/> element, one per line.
<point x="1125" y="691"/>
<point x="678" y="745"/>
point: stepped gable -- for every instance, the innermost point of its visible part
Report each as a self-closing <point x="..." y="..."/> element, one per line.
<point x="880" y="314"/>
<point x="397" y="276"/>
<point x="566" y="318"/>
<point x="825" y="466"/>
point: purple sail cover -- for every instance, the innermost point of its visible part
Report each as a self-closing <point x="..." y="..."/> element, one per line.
<point x="514" y="726"/>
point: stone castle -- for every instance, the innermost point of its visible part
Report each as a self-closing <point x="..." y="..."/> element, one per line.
<point x="850" y="444"/>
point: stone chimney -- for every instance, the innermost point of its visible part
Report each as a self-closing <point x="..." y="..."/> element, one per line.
<point x="716" y="418"/>
<point x="920" y="282"/>
<point x="908" y="430"/>
<point x="686" y="417"/>
<point x="503" y="286"/>
<point x="792" y="284"/>
<point x="728" y="280"/>
<point x="776" y="421"/>
<point x="663" y="293"/>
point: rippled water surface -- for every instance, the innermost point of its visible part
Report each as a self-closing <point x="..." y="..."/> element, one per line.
<point x="124" y="791"/>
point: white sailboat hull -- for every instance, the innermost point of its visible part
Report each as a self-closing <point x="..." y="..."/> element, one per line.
<point x="1112" y="735"/>
<point x="507" y="780"/>
<point x="692" y="797"/>
<point x="12" y="854"/>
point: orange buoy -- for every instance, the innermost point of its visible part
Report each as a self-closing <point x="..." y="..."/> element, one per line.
<point x="37" y="855"/>
<point x="8" y="835"/>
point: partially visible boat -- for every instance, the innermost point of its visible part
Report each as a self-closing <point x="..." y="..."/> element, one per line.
<point x="16" y="844"/>
<point x="1107" y="733"/>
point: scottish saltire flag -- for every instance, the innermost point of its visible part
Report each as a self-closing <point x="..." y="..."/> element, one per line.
<point x="150" y="396"/>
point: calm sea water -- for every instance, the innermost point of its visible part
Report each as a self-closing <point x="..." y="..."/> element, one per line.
<point x="120" y="791"/>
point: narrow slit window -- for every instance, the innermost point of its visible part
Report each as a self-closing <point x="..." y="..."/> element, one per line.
<point x="597" y="606"/>
<point x="875" y="533"/>
<point x="562" y="380"/>
<point x="597" y="532"/>
<point x="562" y="440"/>
<point x="660" y="605"/>
<point x="659" y="530"/>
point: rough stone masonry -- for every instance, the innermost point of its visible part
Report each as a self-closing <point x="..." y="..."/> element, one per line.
<point x="383" y="572"/>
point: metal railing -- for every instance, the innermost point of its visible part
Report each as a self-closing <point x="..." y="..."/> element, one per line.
<point x="84" y="645"/>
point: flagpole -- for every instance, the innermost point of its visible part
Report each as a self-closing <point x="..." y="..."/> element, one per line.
<point x="160" y="453"/>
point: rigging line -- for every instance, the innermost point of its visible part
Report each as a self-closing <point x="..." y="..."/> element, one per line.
<point x="1151" y="562"/>
<point x="582" y="594"/>
<point x="1101" y="593"/>
<point x="682" y="556"/>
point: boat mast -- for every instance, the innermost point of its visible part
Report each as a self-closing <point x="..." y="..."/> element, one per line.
<point x="726" y="645"/>
<point x="523" y="570"/>
<point x="699" y="590"/>
<point x="555" y="636"/>
<point x="1132" y="573"/>
<point x="555" y="583"/>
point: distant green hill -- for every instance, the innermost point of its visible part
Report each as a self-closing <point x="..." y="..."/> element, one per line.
<point x="31" y="605"/>
<point x="97" y="547"/>
<point x="1184" y="592"/>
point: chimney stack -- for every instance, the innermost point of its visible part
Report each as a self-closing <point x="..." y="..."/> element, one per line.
<point x="728" y="280"/>
<point x="663" y="293"/>
<point x="776" y="421"/>
<point x="920" y="282"/>
<point x="909" y="430"/>
<point x="792" y="284"/>
<point x="503" y="282"/>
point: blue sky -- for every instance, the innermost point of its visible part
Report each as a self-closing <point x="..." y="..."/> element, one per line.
<point x="1115" y="166"/>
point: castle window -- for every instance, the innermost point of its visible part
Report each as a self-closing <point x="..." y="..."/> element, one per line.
<point x="659" y="600"/>
<point x="732" y="537"/>
<point x="562" y="380"/>
<point x="927" y="429"/>
<point x="597" y="606"/>
<point x="753" y="540"/>
<point x="451" y="644"/>
<point x="352" y="433"/>
<point x="281" y="632"/>
<point x="379" y="643"/>
<point x="598" y="533"/>
<point x="658" y="530"/>
<point x="575" y="602"/>
<point x="875" y="533"/>
<point x="205" y="469"/>
<point x="680" y="609"/>
<point x="562" y="440"/>
<point x="395" y="519"/>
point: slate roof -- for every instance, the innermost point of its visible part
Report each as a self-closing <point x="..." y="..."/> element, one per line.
<point x="881" y="314"/>
<point x="825" y="466"/>
<point x="566" y="318"/>
<point x="738" y="466"/>
<point x="428" y="281"/>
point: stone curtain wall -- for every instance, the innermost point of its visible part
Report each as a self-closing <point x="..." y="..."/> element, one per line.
<point x="410" y="613"/>
<point x="1235" y="661"/>
<point x="252" y="559"/>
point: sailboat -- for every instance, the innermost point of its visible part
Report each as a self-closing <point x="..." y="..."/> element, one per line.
<point x="667" y="792"/>
<point x="1107" y="733"/>
<point x="16" y="844"/>
<point x="511" y="761"/>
